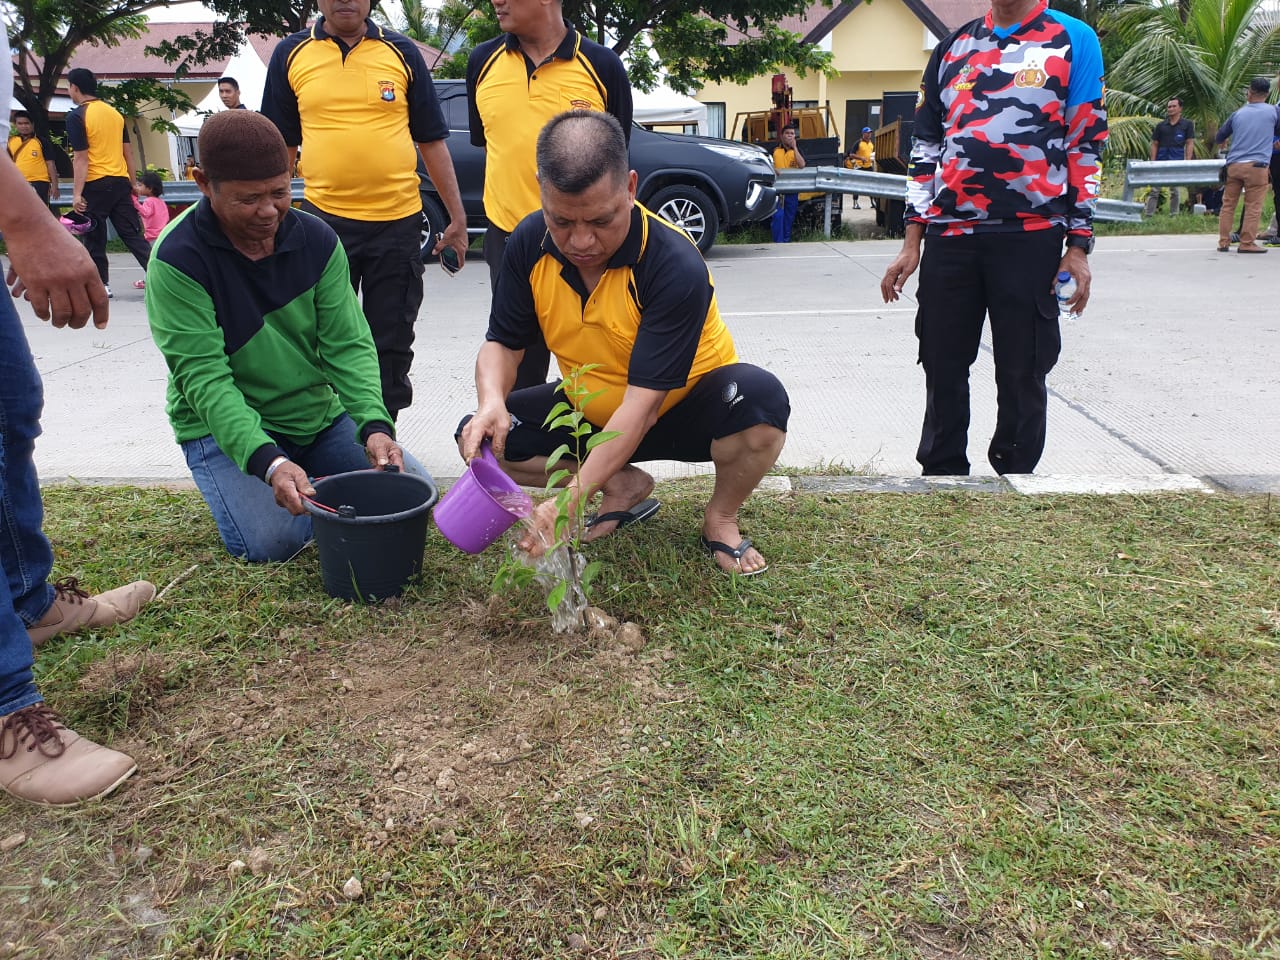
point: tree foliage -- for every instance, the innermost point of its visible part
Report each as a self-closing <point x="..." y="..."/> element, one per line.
<point x="690" y="40"/>
<point x="687" y="41"/>
<point x="445" y="27"/>
<point x="1202" y="51"/>
<point x="237" y="19"/>
<point x="45" y="35"/>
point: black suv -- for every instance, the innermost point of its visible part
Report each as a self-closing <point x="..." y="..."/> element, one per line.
<point x="698" y="183"/>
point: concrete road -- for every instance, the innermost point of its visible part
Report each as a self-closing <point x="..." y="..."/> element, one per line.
<point x="1171" y="370"/>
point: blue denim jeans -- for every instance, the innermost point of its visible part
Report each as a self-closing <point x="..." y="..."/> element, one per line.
<point x="784" y="217"/>
<point x="252" y="525"/>
<point x="25" y="593"/>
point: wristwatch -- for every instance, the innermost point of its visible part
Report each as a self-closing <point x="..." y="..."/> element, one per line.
<point x="1081" y="243"/>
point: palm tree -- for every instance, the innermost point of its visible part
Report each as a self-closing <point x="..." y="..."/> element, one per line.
<point x="438" y="25"/>
<point x="1202" y="51"/>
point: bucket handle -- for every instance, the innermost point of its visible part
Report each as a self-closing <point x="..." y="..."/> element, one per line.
<point x="389" y="468"/>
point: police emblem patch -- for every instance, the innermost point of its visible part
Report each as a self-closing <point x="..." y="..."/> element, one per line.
<point x="1032" y="74"/>
<point x="387" y="90"/>
<point x="1031" y="77"/>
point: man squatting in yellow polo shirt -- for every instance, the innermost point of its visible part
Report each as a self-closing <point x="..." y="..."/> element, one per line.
<point x="516" y="82"/>
<point x="33" y="156"/>
<point x="607" y="282"/>
<point x="357" y="98"/>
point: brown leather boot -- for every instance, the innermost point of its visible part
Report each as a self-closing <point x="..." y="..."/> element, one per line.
<point x="73" y="609"/>
<point x="41" y="761"/>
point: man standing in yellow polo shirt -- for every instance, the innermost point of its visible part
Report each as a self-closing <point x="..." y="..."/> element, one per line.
<point x="606" y="282"/>
<point x="786" y="156"/>
<point x="357" y="98"/>
<point x="516" y="82"/>
<point x="33" y="157"/>
<point x="103" y="165"/>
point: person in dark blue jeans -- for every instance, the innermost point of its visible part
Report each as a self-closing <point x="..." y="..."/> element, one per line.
<point x="42" y="761"/>
<point x="1172" y="139"/>
<point x="786" y="156"/>
<point x="273" y="374"/>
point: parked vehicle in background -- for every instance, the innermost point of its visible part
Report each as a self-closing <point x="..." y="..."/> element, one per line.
<point x="816" y="139"/>
<point x="701" y="184"/>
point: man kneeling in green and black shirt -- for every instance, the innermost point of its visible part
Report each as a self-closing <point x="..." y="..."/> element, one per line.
<point x="273" y="375"/>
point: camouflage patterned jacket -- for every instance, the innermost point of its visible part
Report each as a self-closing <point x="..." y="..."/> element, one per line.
<point x="1009" y="128"/>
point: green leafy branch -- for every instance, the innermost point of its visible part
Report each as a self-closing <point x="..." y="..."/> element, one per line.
<point x="570" y="519"/>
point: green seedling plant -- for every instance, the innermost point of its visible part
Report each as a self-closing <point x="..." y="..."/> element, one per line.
<point x="565" y="572"/>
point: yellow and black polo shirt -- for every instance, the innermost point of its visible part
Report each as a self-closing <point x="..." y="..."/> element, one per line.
<point x="31" y="157"/>
<point x="357" y="113"/>
<point x="98" y="128"/>
<point x="652" y="320"/>
<point x="783" y="159"/>
<point x="510" y="99"/>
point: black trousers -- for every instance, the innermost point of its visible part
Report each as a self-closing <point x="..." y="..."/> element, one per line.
<point x="532" y="371"/>
<point x="1008" y="277"/>
<point x="111" y="198"/>
<point x="42" y="188"/>
<point x="1275" y="182"/>
<point x="386" y="270"/>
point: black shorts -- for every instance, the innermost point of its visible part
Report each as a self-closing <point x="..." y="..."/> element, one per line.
<point x="724" y="402"/>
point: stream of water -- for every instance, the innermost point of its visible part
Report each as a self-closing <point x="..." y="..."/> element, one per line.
<point x="561" y="564"/>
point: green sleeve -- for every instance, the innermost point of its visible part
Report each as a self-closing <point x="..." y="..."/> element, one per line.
<point x="348" y="357"/>
<point x="185" y="328"/>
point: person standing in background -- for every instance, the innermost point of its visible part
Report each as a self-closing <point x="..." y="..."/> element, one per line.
<point x="34" y="157"/>
<point x="1172" y="139"/>
<point x="103" y="165"/>
<point x="229" y="93"/>
<point x="786" y="156"/>
<point x="360" y="98"/>
<point x="862" y="157"/>
<point x="1019" y="89"/>
<point x="516" y="82"/>
<point x="1252" y="130"/>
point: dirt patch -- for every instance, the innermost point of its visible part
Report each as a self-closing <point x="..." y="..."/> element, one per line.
<point x="463" y="714"/>
<point x="406" y="734"/>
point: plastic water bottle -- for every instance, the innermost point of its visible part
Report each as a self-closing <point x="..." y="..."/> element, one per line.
<point x="1065" y="288"/>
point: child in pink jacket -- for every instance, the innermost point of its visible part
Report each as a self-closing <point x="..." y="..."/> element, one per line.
<point x="147" y="191"/>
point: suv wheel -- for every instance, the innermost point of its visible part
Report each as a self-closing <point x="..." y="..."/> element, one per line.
<point x="689" y="209"/>
<point x="434" y="221"/>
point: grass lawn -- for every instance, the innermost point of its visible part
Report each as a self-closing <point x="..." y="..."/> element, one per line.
<point x="942" y="726"/>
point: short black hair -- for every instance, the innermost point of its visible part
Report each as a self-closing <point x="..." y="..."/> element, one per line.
<point x="151" y="180"/>
<point x="83" y="78"/>
<point x="578" y="148"/>
<point x="1177" y="100"/>
<point x="231" y="81"/>
<point x="20" y="115"/>
<point x="1260" y="85"/>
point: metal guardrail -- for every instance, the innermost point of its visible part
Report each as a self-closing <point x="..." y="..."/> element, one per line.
<point x="186" y="191"/>
<point x="177" y="191"/>
<point x="1170" y="173"/>
<point x="866" y="183"/>
<point x="893" y="186"/>
<point x="1117" y="211"/>
<point x="833" y="180"/>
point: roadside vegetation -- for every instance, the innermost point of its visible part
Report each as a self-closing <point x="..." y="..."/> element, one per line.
<point x="947" y="725"/>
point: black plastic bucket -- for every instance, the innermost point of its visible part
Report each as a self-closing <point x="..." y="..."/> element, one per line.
<point x="371" y="528"/>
